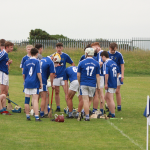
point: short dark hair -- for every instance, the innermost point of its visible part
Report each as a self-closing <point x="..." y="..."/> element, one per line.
<point x="7" y="44"/>
<point x="34" y="51"/>
<point x="95" y="44"/>
<point x="113" y="45"/>
<point x="87" y="46"/>
<point x="105" y="53"/>
<point x="59" y="45"/>
<point x="2" y="42"/>
<point x="38" y="46"/>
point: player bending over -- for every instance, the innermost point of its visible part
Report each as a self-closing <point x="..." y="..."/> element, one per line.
<point x="4" y="69"/>
<point x="47" y="69"/>
<point x="88" y="75"/>
<point x="71" y="74"/>
<point x="118" y="58"/>
<point x="111" y="73"/>
<point x="58" y="81"/>
<point x="33" y="81"/>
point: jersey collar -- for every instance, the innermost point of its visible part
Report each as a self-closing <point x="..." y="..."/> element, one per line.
<point x="111" y="53"/>
<point x="89" y="58"/>
<point x="32" y="58"/>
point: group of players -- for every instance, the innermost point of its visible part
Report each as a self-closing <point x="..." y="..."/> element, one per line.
<point x="97" y="69"/>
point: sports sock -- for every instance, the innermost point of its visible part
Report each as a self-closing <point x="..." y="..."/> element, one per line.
<point x="36" y="116"/>
<point x="101" y="111"/>
<point x="4" y="108"/>
<point x="82" y="111"/>
<point x="113" y="115"/>
<point x="87" y="116"/>
<point x="70" y="114"/>
<point x="119" y="107"/>
<point x="41" y="113"/>
<point x="58" y="107"/>
<point x="28" y="116"/>
<point x="110" y="112"/>
<point x="1" y="110"/>
<point x="77" y="114"/>
<point x="94" y="110"/>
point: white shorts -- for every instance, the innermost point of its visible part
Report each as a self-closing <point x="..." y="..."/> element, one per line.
<point x="74" y="85"/>
<point x="118" y="80"/>
<point x="31" y="91"/>
<point x="110" y="90"/>
<point x="44" y="88"/>
<point x="58" y="81"/>
<point x="4" y="78"/>
<point x="101" y="82"/>
<point x="87" y="90"/>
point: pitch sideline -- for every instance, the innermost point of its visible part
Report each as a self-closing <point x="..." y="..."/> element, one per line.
<point x="125" y="135"/>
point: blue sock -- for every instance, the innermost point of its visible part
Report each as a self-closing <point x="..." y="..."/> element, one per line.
<point x="36" y="116"/>
<point x="41" y="113"/>
<point x="87" y="116"/>
<point x="119" y="107"/>
<point x="70" y="114"/>
<point x="58" y="107"/>
<point x="28" y="116"/>
<point x="101" y="111"/>
<point x="94" y="110"/>
<point x="4" y="108"/>
<point x="113" y="115"/>
<point x="110" y="112"/>
<point x="1" y="110"/>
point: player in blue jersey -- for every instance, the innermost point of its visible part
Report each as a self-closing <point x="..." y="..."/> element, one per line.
<point x="88" y="75"/>
<point x="4" y="69"/>
<point x="71" y="74"/>
<point x="40" y="50"/>
<point x="33" y="81"/>
<point x="2" y="44"/>
<point x="47" y="69"/>
<point x="111" y="72"/>
<point x="118" y="58"/>
<point x="26" y="57"/>
<point x="58" y="81"/>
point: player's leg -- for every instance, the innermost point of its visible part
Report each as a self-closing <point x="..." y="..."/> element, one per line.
<point x="95" y="102"/>
<point x="63" y="85"/>
<point x="46" y="104"/>
<point x="57" y="98"/>
<point x="2" y="101"/>
<point x="27" y="108"/>
<point x="118" y="97"/>
<point x="102" y="100"/>
<point x="43" y="102"/>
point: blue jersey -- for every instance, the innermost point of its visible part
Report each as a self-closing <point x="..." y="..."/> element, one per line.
<point x="83" y="57"/>
<point x="118" y="58"/>
<point x="30" y="70"/>
<point x="88" y="69"/>
<point x="23" y="60"/>
<point x="61" y="69"/>
<point x="99" y="58"/>
<point x="47" y="67"/>
<point x="111" y="68"/>
<point x="70" y="73"/>
<point x="4" y="61"/>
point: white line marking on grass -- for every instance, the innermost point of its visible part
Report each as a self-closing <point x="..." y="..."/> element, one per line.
<point x="135" y="143"/>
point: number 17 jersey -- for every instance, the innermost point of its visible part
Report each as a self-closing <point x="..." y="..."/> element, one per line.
<point x="88" y="69"/>
<point x="30" y="70"/>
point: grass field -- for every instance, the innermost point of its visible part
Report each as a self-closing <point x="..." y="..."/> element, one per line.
<point x="119" y="134"/>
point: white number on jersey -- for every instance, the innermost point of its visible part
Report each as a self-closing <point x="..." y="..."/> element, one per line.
<point x="114" y="72"/>
<point x="31" y="71"/>
<point x="88" y="70"/>
<point x="74" y="69"/>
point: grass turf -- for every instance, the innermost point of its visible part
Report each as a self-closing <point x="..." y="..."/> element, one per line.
<point x="17" y="133"/>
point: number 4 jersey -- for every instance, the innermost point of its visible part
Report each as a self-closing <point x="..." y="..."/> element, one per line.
<point x="111" y="68"/>
<point x="88" y="69"/>
<point x="30" y="70"/>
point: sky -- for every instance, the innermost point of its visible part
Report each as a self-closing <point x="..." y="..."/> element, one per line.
<point x="78" y="19"/>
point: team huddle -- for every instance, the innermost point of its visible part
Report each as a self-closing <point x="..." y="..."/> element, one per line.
<point x="97" y="70"/>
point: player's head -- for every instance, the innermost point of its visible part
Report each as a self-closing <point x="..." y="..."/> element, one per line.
<point x="96" y="47"/>
<point x="89" y="52"/>
<point x="104" y="55"/>
<point x="28" y="49"/>
<point x="34" y="52"/>
<point x="59" y="48"/>
<point x="9" y="46"/>
<point x="2" y="44"/>
<point x="112" y="47"/>
<point x="87" y="46"/>
<point x="39" y="47"/>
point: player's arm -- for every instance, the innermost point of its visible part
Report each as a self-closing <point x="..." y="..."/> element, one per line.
<point x="78" y="77"/>
<point x="122" y="72"/>
<point x="52" y="75"/>
<point x="66" y="86"/>
<point x="40" y="79"/>
<point x="98" y="80"/>
<point x="69" y="60"/>
<point x="106" y="81"/>
<point x="23" y="77"/>
<point x="73" y="64"/>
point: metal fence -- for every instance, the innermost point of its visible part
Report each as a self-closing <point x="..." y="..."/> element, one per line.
<point x="125" y="44"/>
